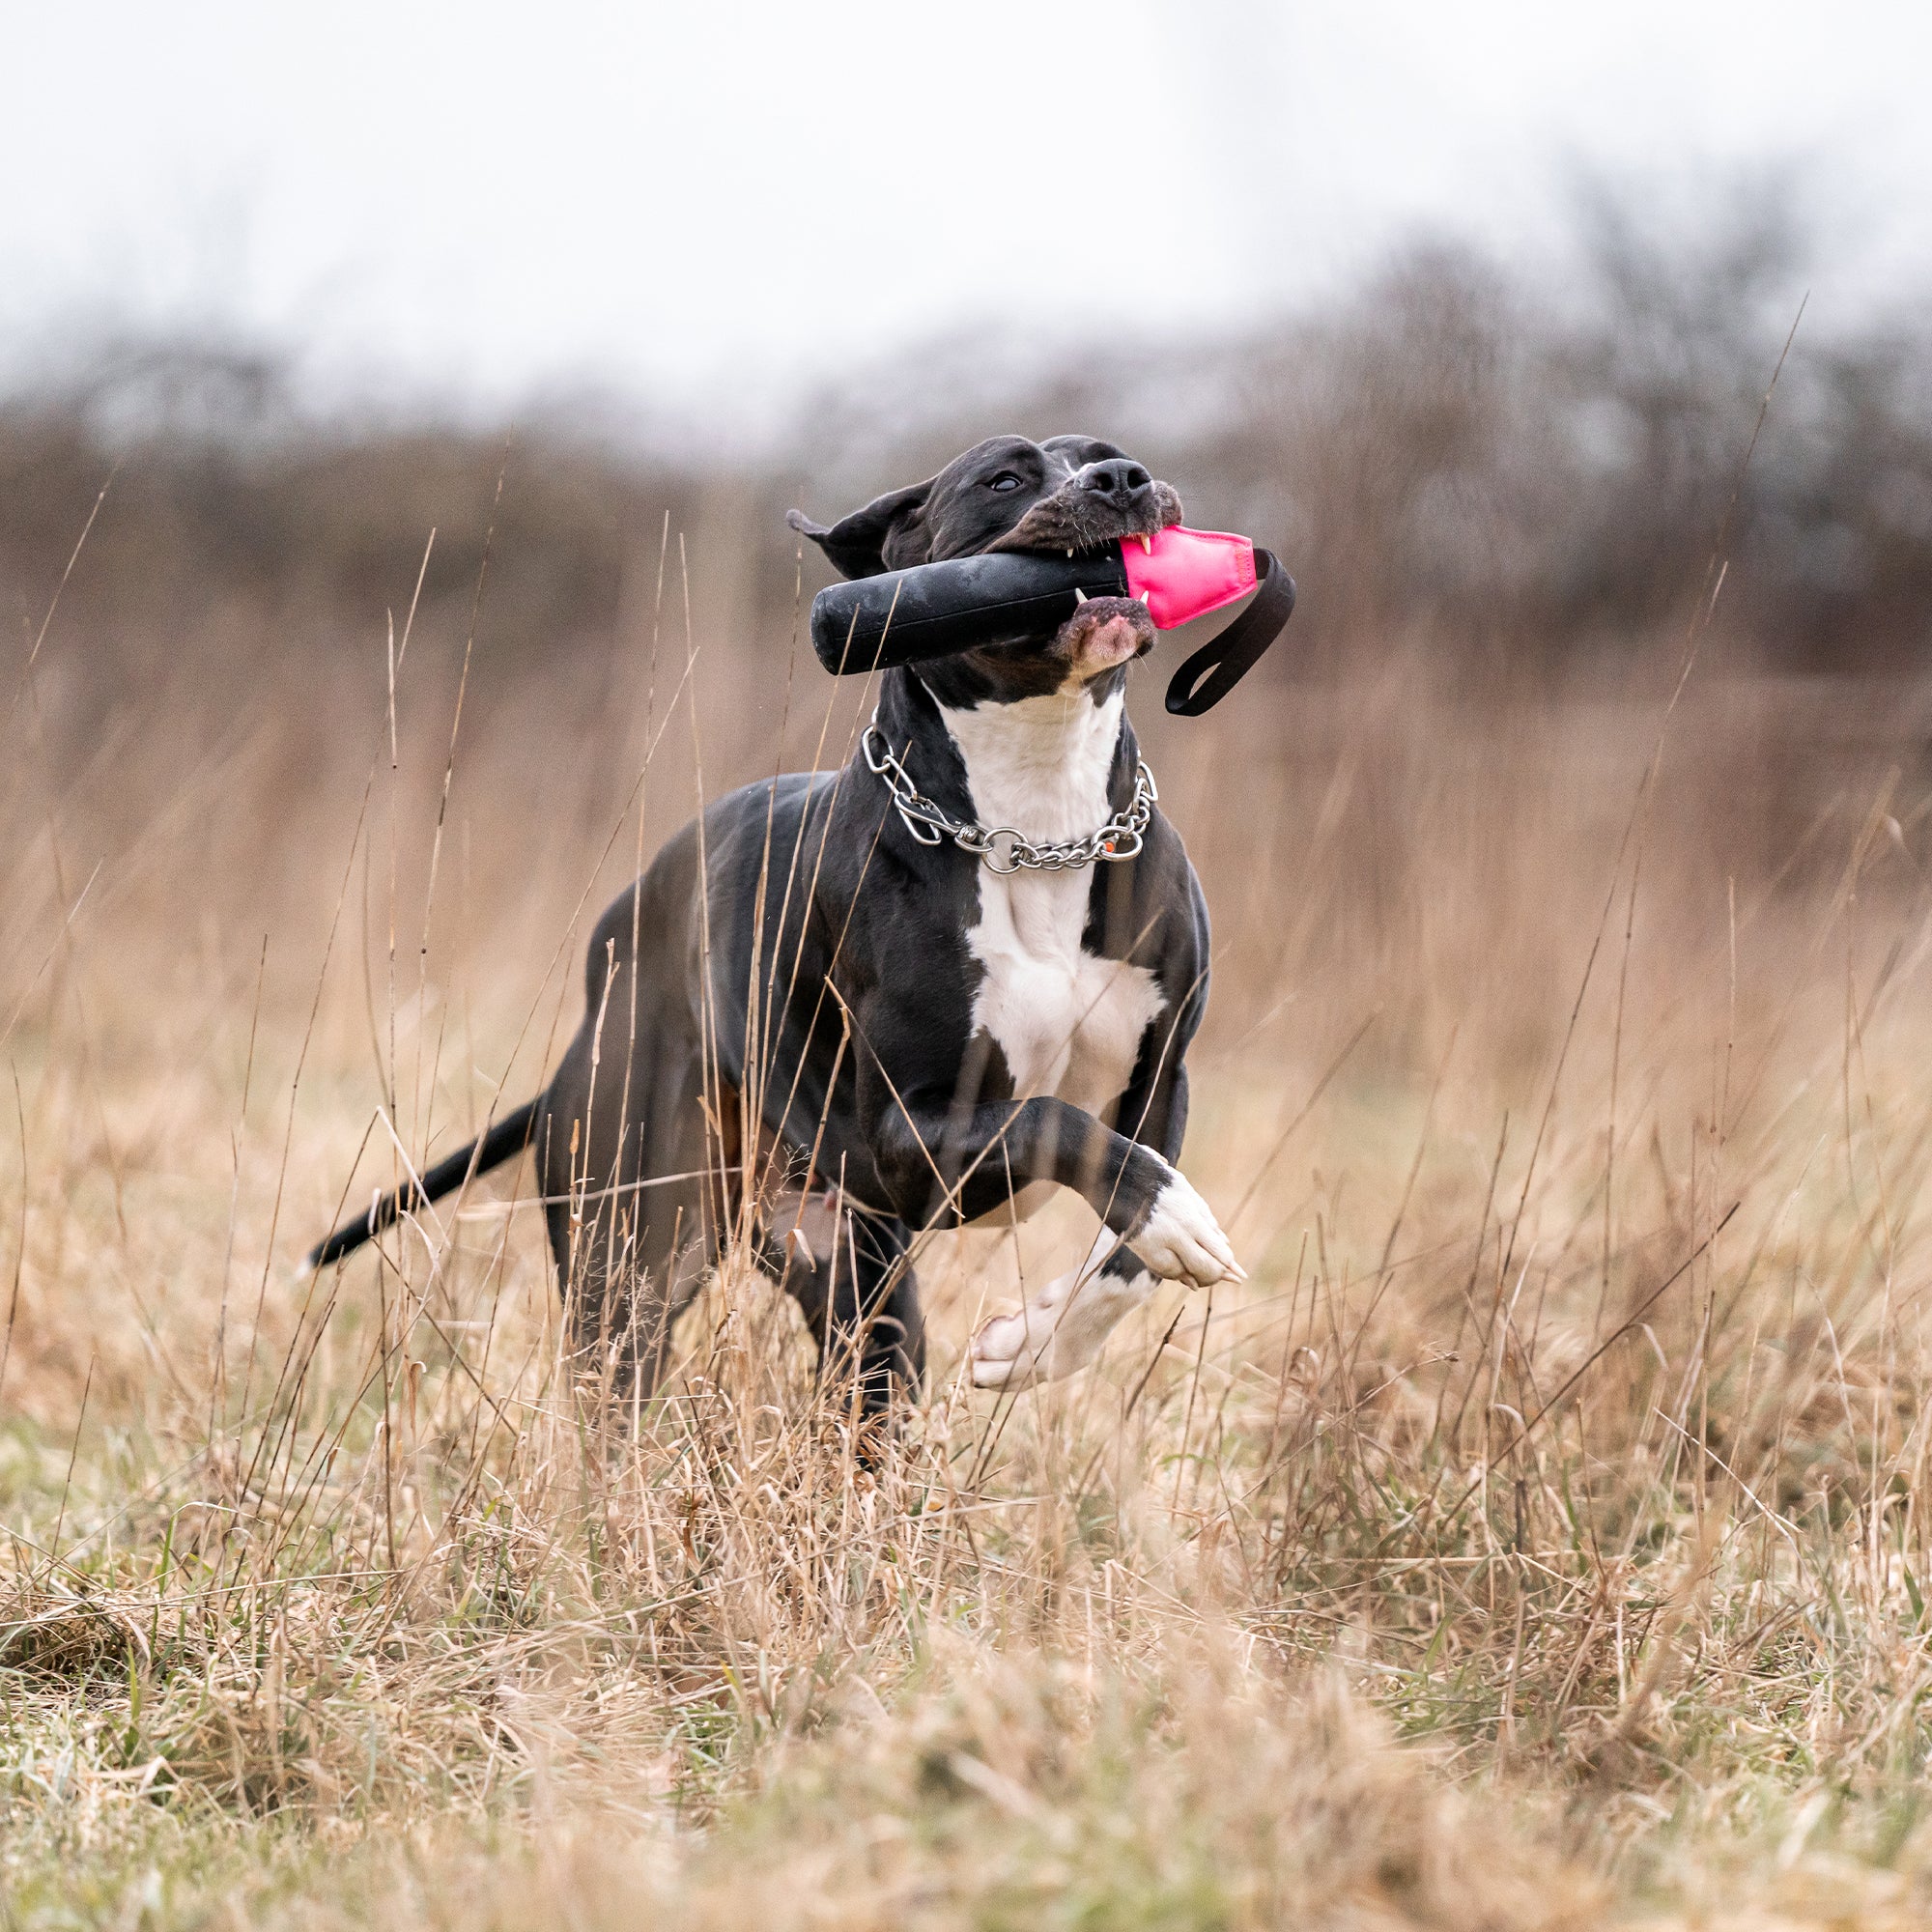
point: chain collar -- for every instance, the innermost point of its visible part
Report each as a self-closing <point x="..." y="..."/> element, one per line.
<point x="1002" y="848"/>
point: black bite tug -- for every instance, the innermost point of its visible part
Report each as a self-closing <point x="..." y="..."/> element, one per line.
<point x="901" y="1029"/>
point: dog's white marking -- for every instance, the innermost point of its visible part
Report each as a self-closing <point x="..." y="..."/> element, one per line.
<point x="1181" y="1240"/>
<point x="1069" y="1022"/>
<point x="1062" y="1327"/>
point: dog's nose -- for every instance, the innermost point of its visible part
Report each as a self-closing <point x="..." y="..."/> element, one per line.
<point x="1116" y="479"/>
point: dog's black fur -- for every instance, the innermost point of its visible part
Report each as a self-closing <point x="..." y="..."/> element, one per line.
<point x="833" y="1030"/>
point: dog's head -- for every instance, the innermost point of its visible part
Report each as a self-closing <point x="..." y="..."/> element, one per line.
<point x="1069" y="492"/>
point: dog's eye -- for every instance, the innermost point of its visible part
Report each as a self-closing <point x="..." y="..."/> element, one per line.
<point x="1006" y="480"/>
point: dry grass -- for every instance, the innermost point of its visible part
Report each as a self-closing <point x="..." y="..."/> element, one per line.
<point x="1534" y="1539"/>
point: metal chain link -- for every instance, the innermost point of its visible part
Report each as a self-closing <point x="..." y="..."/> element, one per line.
<point x="1120" y="837"/>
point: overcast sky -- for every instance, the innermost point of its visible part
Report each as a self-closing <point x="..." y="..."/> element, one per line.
<point x="714" y="200"/>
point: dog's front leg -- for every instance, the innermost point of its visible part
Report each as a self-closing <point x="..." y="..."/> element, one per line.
<point x="1063" y="1325"/>
<point x="1060" y="1327"/>
<point x="848" y="1271"/>
<point x="953" y="1164"/>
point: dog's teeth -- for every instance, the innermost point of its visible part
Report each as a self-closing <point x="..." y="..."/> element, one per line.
<point x="1143" y="596"/>
<point x="1079" y="595"/>
<point x="1147" y="543"/>
<point x="1069" y="550"/>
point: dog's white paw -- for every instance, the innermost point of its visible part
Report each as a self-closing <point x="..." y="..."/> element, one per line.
<point x="1055" y="1334"/>
<point x="1182" y="1240"/>
<point x="1009" y="1351"/>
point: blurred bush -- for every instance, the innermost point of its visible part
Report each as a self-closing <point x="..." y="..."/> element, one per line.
<point x="1529" y="468"/>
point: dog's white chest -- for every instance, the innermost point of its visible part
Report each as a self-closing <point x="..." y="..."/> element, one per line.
<point x="1069" y="1022"/>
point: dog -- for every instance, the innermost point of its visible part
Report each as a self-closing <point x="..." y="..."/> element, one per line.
<point x="818" y="1018"/>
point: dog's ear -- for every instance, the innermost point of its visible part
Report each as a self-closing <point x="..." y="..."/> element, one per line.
<point x="882" y="536"/>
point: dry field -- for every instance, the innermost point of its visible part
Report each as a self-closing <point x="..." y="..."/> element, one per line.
<point x="1534" y="1540"/>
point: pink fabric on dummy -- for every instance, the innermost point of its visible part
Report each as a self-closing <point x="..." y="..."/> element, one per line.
<point x="1185" y="574"/>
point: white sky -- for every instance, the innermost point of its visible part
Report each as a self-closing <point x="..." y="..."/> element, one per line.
<point x="709" y="202"/>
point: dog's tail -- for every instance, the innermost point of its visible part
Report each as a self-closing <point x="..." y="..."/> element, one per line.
<point x="507" y="1138"/>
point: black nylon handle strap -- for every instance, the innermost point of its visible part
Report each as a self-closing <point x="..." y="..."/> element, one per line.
<point x="1219" y="665"/>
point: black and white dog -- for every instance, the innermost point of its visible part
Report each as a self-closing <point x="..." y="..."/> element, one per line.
<point x="816" y="1018"/>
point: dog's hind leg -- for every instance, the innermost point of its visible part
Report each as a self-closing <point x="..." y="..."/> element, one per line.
<point x="632" y="1234"/>
<point x="624" y="1151"/>
<point x="631" y="1272"/>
